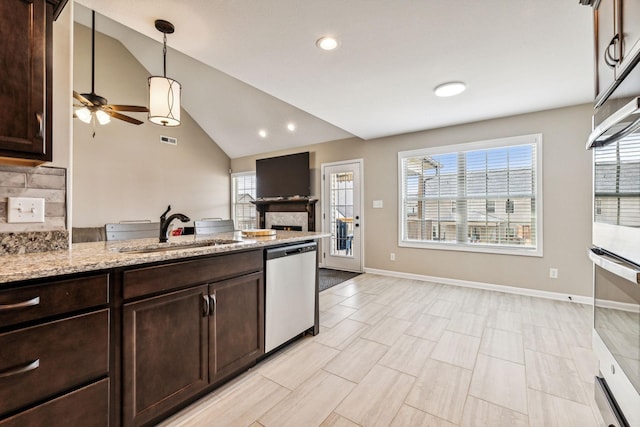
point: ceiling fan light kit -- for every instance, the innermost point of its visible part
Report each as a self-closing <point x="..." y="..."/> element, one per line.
<point x="164" y="92"/>
<point x="95" y="107"/>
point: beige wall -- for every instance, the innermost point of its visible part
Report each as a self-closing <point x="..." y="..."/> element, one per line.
<point x="566" y="202"/>
<point x="125" y="172"/>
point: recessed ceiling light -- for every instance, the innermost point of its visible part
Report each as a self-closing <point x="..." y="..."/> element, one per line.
<point x="262" y="133"/>
<point x="327" y="43"/>
<point x="291" y="127"/>
<point x="449" y="89"/>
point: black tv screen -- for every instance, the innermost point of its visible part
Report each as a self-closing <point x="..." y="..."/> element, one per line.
<point x="283" y="176"/>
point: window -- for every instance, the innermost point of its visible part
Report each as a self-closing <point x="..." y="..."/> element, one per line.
<point x="243" y="192"/>
<point x="448" y="196"/>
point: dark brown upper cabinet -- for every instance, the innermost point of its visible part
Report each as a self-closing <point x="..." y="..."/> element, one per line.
<point x="26" y="28"/>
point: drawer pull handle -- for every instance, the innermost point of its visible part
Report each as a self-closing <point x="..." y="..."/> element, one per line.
<point x="20" y="370"/>
<point x="23" y="304"/>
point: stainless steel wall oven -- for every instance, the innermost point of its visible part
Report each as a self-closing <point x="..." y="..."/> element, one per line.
<point x="615" y="141"/>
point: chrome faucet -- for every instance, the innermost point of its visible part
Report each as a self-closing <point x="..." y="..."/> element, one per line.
<point x="164" y="223"/>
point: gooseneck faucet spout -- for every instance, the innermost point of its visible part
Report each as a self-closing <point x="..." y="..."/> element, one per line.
<point x="165" y="222"/>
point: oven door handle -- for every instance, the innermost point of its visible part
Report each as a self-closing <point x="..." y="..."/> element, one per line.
<point x="615" y="266"/>
<point x="619" y="116"/>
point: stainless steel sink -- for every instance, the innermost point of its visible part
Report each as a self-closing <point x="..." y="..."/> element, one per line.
<point x="178" y="247"/>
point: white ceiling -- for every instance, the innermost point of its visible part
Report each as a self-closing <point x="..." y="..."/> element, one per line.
<point x="250" y="64"/>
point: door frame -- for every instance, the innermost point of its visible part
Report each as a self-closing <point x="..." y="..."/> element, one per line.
<point x="326" y="242"/>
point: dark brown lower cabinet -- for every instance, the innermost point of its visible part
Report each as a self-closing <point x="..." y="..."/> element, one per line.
<point x="176" y="345"/>
<point x="39" y="362"/>
<point x="165" y="353"/>
<point x="87" y="407"/>
<point x="236" y="332"/>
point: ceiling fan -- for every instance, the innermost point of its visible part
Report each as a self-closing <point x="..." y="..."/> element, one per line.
<point x="95" y="107"/>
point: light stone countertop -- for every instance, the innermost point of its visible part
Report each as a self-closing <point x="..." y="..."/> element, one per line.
<point x="84" y="257"/>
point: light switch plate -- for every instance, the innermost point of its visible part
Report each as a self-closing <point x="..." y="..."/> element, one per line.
<point x="25" y="209"/>
<point x="377" y="204"/>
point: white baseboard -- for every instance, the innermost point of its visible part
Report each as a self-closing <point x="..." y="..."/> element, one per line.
<point x="487" y="286"/>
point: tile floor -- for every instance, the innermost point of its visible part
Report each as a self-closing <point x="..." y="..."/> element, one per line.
<point x="399" y="352"/>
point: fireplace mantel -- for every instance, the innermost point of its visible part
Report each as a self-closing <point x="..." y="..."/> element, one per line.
<point x="287" y="205"/>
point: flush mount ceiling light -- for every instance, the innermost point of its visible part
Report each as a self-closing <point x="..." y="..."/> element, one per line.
<point x="262" y="133"/>
<point x="291" y="127"/>
<point x="164" y="93"/>
<point x="449" y="89"/>
<point x="327" y="43"/>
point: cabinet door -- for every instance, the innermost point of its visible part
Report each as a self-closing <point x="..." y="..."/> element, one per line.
<point x="165" y="345"/>
<point x="25" y="87"/>
<point x="237" y="325"/>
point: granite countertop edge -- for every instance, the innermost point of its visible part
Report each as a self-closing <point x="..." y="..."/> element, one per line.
<point x="96" y="256"/>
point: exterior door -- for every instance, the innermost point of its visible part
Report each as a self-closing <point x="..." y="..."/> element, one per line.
<point x="342" y="216"/>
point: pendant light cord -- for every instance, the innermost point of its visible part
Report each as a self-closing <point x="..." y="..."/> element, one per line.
<point x="164" y="55"/>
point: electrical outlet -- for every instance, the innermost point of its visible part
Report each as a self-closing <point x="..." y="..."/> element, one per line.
<point x="25" y="209"/>
<point x="553" y="273"/>
<point x="392" y="256"/>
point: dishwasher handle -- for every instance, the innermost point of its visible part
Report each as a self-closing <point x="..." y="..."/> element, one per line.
<point x="284" y="251"/>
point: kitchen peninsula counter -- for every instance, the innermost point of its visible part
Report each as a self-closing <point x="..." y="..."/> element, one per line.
<point x="95" y="256"/>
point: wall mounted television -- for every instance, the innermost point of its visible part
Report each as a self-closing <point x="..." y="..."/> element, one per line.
<point x="283" y="176"/>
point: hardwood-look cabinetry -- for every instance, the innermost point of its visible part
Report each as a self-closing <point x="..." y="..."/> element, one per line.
<point x="54" y="353"/>
<point x="187" y="326"/>
<point x="26" y="28"/>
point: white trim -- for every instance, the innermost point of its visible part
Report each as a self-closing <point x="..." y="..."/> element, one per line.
<point x="616" y="305"/>
<point x="486" y="286"/>
<point x="535" y="138"/>
<point x="234" y="174"/>
<point x="360" y="163"/>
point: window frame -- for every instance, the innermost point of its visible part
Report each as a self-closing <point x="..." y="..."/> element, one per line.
<point x="535" y="139"/>
<point x="234" y="203"/>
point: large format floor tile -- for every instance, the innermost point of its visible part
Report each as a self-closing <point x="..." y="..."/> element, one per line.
<point x="399" y="352"/>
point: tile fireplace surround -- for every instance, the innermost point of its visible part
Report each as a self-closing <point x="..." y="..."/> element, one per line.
<point x="300" y="212"/>
<point x="287" y="218"/>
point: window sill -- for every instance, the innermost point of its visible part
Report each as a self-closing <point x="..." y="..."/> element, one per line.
<point x="489" y="249"/>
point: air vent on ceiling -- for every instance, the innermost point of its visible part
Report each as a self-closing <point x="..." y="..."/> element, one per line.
<point x="169" y="140"/>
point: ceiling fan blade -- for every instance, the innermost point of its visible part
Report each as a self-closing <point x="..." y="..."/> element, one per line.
<point x="132" y="108"/>
<point x="123" y="117"/>
<point x="82" y="99"/>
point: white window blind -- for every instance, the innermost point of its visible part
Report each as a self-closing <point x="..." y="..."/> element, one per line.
<point x="481" y="196"/>
<point x="243" y="192"/>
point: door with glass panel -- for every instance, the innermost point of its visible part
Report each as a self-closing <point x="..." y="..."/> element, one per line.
<point x="341" y="215"/>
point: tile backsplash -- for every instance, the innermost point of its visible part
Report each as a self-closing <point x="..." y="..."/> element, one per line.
<point x="43" y="182"/>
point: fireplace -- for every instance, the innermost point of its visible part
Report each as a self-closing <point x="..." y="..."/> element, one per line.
<point x="287" y="212"/>
<point x="287" y="227"/>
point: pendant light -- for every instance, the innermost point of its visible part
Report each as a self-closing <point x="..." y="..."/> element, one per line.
<point x="164" y="93"/>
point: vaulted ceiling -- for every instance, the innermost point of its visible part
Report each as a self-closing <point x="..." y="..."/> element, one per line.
<point x="247" y="65"/>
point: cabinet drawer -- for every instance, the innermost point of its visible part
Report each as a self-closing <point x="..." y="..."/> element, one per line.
<point x="41" y="361"/>
<point x="49" y="299"/>
<point x="152" y="280"/>
<point x="87" y="407"/>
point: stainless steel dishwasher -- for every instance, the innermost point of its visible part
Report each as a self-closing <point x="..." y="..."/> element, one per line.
<point x="290" y="292"/>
